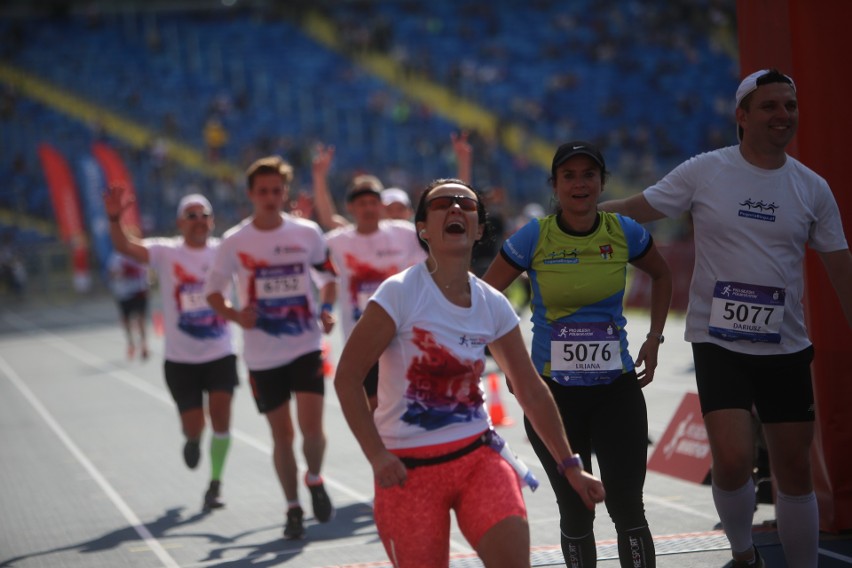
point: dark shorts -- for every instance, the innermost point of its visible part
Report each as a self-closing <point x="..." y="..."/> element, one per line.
<point x="188" y="381"/>
<point x="136" y="304"/>
<point x="371" y="381"/>
<point x="778" y="386"/>
<point x="272" y="387"/>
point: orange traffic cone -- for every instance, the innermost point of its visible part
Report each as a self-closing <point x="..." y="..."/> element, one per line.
<point x="327" y="367"/>
<point x="157" y="322"/>
<point x="495" y="406"/>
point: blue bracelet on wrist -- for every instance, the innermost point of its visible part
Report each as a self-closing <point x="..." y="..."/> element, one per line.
<point x="574" y="461"/>
<point x="326" y="307"/>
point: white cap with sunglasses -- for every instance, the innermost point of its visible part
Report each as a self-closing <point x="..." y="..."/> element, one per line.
<point x="193" y="199"/>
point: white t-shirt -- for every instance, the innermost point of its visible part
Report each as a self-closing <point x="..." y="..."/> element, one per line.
<point x="430" y="375"/>
<point x="194" y="333"/>
<point x="274" y="271"/>
<point x="127" y="277"/>
<point x="751" y="226"/>
<point x="363" y="262"/>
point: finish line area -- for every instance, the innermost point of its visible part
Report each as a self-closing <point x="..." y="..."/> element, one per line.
<point x="93" y="476"/>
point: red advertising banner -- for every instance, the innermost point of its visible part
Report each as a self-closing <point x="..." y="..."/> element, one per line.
<point x="66" y="207"/>
<point x="684" y="450"/>
<point x="115" y="173"/>
<point x="63" y="193"/>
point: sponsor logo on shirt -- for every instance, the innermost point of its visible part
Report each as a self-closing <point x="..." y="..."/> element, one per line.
<point x="389" y="252"/>
<point x="758" y="210"/>
<point x="288" y="249"/>
<point x="561" y="257"/>
<point x="472" y="341"/>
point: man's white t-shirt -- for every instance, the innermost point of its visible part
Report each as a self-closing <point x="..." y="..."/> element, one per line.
<point x="364" y="261"/>
<point x="752" y="226"/>
<point x="430" y="375"/>
<point x="275" y="272"/>
<point x="194" y="333"/>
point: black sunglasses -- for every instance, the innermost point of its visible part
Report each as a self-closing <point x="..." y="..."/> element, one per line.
<point x="443" y="202"/>
<point x="193" y="216"/>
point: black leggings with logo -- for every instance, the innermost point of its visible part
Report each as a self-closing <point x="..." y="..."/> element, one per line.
<point x="612" y="421"/>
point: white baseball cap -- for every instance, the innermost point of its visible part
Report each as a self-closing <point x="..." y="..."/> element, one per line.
<point x="395" y="195"/>
<point x="753" y="81"/>
<point x="193" y="199"/>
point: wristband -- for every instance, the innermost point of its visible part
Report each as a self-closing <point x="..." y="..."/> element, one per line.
<point x="568" y="463"/>
<point x="659" y="336"/>
<point x="326" y="307"/>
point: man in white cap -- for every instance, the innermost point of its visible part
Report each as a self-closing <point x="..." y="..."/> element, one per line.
<point x="397" y="204"/>
<point x="199" y="353"/>
<point x="754" y="208"/>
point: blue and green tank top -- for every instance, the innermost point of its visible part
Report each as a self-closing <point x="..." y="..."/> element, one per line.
<point x="578" y="283"/>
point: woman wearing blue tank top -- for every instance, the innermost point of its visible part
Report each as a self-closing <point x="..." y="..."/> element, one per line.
<point x="576" y="260"/>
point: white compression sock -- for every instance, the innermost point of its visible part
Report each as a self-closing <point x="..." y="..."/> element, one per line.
<point x="736" y="511"/>
<point x="798" y="528"/>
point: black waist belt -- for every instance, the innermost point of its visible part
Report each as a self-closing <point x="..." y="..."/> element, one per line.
<point x="411" y="463"/>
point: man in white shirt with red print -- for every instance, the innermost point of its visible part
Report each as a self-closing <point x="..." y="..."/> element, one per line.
<point x="366" y="253"/>
<point x="198" y="349"/>
<point x="274" y="257"/>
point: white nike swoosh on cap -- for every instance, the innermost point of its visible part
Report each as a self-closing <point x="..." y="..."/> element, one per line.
<point x="577" y="147"/>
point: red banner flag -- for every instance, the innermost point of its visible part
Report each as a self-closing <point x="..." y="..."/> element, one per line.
<point x="115" y="173"/>
<point x="66" y="207"/>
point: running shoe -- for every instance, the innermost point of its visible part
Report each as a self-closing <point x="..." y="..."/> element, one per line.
<point x="294" y="529"/>
<point x="323" y="509"/>
<point x="756" y="563"/>
<point x="191" y="453"/>
<point x="211" y="498"/>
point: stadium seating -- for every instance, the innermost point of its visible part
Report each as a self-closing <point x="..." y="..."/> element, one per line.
<point x="561" y="70"/>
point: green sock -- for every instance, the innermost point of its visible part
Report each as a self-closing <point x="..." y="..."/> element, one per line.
<point x="219" y="444"/>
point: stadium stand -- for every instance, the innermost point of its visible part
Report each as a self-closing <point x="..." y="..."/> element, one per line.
<point x="271" y="82"/>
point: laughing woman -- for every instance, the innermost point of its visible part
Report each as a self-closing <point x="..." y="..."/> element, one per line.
<point x="430" y="443"/>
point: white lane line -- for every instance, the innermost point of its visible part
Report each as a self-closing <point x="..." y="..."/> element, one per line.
<point x="663" y="502"/>
<point x="105" y="486"/>
<point x="159" y="394"/>
<point x="831" y="554"/>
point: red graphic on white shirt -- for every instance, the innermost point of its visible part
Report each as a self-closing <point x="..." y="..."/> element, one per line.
<point x="443" y="389"/>
<point x="362" y="273"/>
<point x="251" y="264"/>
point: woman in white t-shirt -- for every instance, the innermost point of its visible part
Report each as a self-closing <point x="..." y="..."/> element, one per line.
<point x="430" y="442"/>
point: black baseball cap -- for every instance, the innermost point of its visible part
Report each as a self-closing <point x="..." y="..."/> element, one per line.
<point x="576" y="148"/>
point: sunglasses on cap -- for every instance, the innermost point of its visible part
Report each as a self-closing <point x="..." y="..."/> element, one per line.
<point x="446" y="201"/>
<point x="193" y="216"/>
